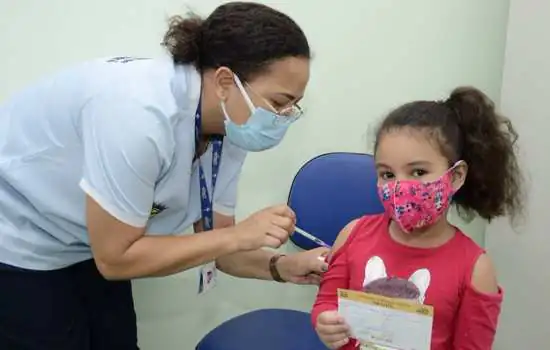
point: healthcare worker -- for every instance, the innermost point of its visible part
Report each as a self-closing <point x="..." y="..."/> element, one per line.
<point x="104" y="164"/>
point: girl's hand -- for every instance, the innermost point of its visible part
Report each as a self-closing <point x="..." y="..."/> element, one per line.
<point x="332" y="329"/>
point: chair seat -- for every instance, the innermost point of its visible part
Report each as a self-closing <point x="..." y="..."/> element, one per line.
<point x="267" y="329"/>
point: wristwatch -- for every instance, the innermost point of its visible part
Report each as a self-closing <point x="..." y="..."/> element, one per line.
<point x="273" y="268"/>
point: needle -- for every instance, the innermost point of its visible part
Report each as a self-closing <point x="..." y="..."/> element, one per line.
<point x="311" y="237"/>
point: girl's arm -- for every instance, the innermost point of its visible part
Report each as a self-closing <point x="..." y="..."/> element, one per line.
<point x="336" y="277"/>
<point x="479" y="309"/>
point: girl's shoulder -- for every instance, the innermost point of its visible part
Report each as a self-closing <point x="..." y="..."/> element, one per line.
<point x="358" y="229"/>
<point x="368" y="226"/>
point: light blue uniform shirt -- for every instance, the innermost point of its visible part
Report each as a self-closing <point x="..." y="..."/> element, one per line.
<point x="120" y="131"/>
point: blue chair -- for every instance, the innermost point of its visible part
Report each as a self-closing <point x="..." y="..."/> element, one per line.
<point x="331" y="190"/>
<point x="327" y="192"/>
<point x="266" y="329"/>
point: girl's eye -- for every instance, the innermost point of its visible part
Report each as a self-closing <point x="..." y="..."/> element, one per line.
<point x="419" y="172"/>
<point x="386" y="175"/>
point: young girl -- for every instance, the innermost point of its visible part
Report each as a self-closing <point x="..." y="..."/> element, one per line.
<point x="430" y="154"/>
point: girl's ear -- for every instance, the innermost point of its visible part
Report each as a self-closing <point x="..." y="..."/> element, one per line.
<point x="459" y="171"/>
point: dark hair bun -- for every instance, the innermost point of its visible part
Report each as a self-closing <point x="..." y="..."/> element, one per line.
<point x="245" y="37"/>
<point x="183" y="38"/>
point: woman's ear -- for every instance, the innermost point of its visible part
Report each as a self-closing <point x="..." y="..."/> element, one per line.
<point x="224" y="81"/>
<point x="459" y="171"/>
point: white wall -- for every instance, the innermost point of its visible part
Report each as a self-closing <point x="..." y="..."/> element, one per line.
<point x="519" y="255"/>
<point x="369" y="57"/>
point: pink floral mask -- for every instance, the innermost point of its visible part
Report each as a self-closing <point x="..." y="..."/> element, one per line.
<point x="414" y="204"/>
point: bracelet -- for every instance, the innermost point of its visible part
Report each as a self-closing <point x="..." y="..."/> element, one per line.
<point x="273" y="268"/>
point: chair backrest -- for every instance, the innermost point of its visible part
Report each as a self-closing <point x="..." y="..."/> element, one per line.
<point x="331" y="190"/>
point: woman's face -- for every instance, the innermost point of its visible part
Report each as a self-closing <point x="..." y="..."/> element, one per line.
<point x="279" y="89"/>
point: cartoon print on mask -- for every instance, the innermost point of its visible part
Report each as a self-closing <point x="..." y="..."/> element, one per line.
<point x="377" y="282"/>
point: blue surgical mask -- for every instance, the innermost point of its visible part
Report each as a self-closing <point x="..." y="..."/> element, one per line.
<point x="263" y="130"/>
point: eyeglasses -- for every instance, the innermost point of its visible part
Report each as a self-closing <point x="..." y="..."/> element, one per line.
<point x="292" y="111"/>
<point x="288" y="114"/>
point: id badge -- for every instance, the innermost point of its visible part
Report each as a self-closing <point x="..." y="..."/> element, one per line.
<point x="207" y="277"/>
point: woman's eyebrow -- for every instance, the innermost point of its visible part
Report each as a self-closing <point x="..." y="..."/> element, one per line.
<point x="289" y="96"/>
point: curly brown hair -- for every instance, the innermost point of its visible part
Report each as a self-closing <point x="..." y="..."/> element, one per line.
<point x="243" y="36"/>
<point x="467" y="127"/>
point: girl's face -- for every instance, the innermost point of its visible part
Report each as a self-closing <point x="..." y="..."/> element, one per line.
<point x="409" y="154"/>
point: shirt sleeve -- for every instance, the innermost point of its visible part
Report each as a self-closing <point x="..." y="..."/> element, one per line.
<point x="336" y="277"/>
<point x="225" y="195"/>
<point x="477" y="320"/>
<point x="125" y="146"/>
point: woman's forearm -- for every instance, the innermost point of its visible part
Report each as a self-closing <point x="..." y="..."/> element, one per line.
<point x="252" y="264"/>
<point x="154" y="256"/>
<point x="247" y="264"/>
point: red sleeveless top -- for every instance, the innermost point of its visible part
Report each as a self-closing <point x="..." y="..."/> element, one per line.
<point x="370" y="260"/>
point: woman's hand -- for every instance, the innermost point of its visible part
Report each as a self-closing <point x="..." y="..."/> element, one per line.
<point x="269" y="227"/>
<point x="304" y="267"/>
<point x="332" y="329"/>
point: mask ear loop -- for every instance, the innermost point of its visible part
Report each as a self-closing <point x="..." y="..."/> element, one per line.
<point x="244" y="93"/>
<point x="451" y="169"/>
<point x="457" y="163"/>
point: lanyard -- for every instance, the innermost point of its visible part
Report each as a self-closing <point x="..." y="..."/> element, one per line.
<point x="207" y="200"/>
